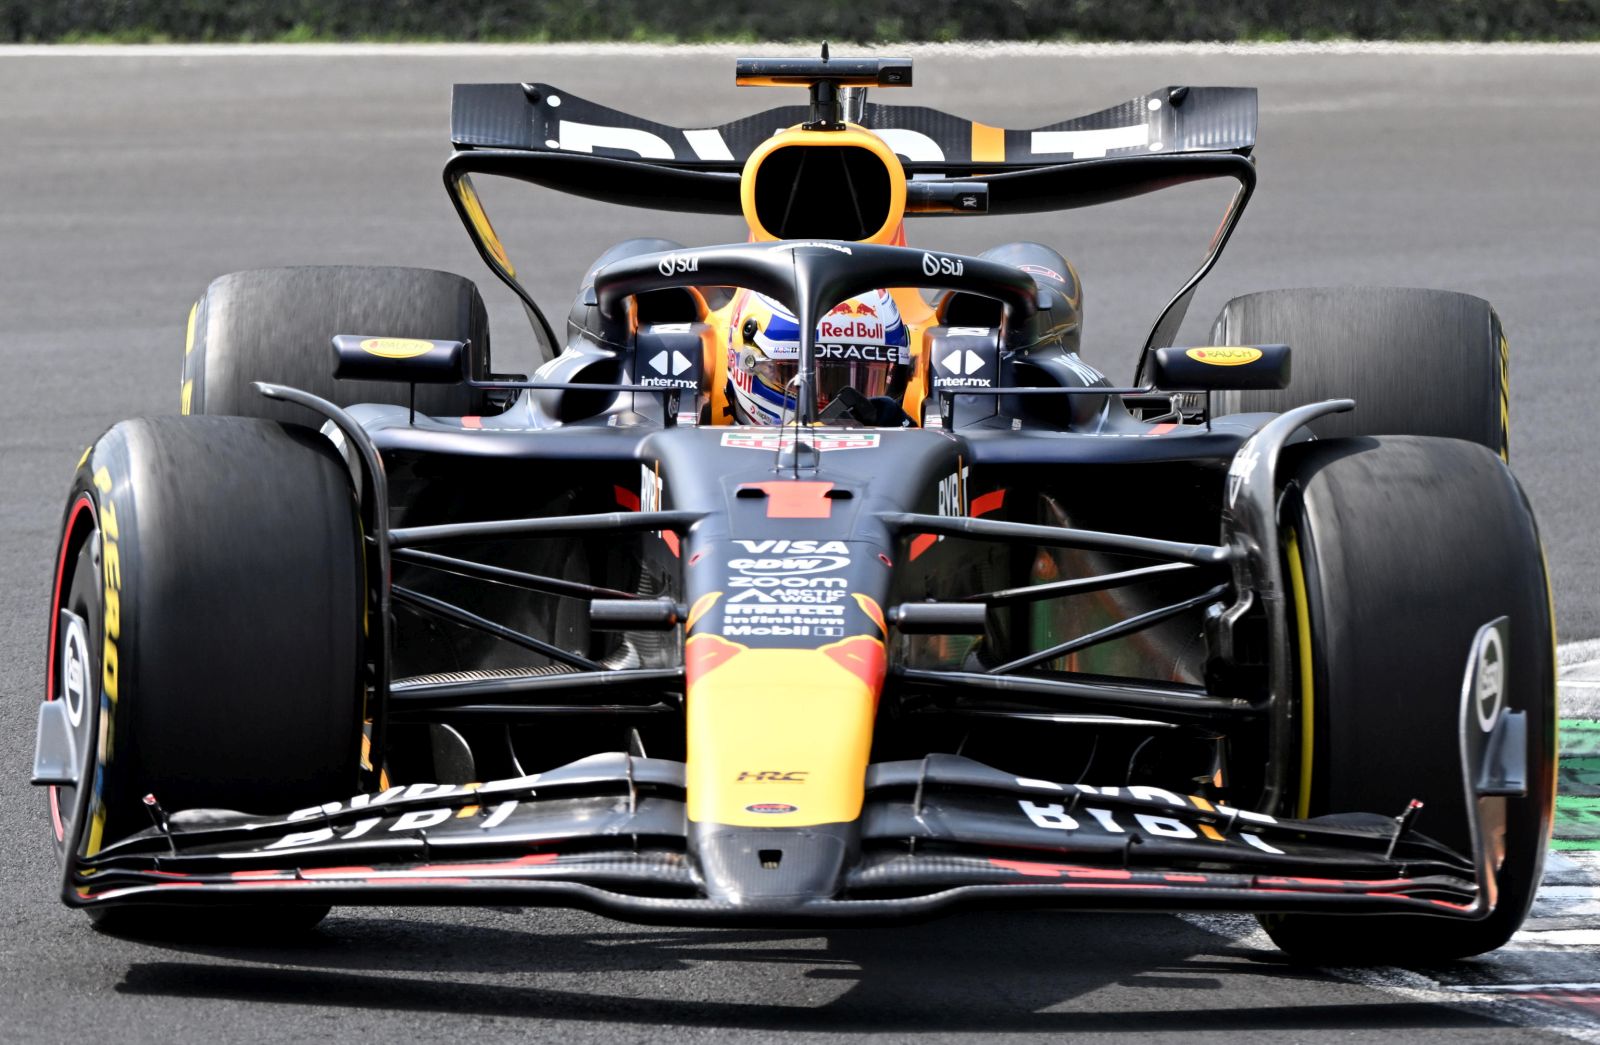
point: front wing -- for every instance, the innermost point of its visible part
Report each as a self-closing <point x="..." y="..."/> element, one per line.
<point x="611" y="833"/>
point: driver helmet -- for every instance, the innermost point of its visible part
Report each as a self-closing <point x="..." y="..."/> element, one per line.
<point x="861" y="344"/>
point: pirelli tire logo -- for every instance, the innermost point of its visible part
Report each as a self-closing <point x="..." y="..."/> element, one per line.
<point x="111" y="589"/>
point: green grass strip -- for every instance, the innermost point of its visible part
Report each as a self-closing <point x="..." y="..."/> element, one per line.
<point x="1578" y="786"/>
<point x="1579" y="736"/>
<point x="1579" y="775"/>
<point x="1577" y="827"/>
<point x="1577" y="817"/>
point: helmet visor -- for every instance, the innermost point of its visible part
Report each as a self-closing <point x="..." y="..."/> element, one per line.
<point x="872" y="378"/>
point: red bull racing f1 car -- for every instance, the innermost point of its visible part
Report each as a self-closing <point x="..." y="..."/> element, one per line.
<point x="814" y="578"/>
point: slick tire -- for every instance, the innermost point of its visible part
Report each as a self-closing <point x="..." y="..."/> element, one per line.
<point x="1399" y="549"/>
<point x="277" y="325"/>
<point x="211" y="570"/>
<point x="1417" y="362"/>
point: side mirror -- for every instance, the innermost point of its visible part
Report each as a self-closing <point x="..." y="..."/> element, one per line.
<point x="413" y="360"/>
<point x="1221" y="367"/>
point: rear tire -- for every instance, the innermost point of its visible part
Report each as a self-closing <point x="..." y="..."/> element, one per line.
<point x="1417" y="362"/>
<point x="277" y="325"/>
<point x="216" y="566"/>
<point x="1407" y="546"/>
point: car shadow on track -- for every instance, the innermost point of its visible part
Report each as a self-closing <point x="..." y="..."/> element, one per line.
<point x="972" y="973"/>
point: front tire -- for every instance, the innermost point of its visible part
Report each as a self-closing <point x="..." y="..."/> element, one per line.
<point x="215" y="567"/>
<point x="1400" y="549"/>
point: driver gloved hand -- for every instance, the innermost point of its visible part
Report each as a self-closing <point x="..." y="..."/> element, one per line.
<point x="877" y="412"/>
<point x="889" y="414"/>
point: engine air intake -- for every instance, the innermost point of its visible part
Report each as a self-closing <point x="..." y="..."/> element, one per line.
<point x="835" y="185"/>
<point x="823" y="191"/>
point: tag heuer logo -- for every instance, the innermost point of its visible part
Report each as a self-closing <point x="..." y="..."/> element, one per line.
<point x="771" y="439"/>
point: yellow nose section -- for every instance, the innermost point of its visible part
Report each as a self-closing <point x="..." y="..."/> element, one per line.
<point x="780" y="737"/>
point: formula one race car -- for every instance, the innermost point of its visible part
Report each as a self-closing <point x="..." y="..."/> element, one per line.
<point x="786" y="593"/>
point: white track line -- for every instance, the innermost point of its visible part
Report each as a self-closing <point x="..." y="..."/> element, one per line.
<point x="1501" y="1001"/>
<point x="1549" y="945"/>
<point x="1574" y="653"/>
<point x="1580" y="679"/>
<point x="1572" y="867"/>
<point x="980" y="50"/>
<point x="1512" y="988"/>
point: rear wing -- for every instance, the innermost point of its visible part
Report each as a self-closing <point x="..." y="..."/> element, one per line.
<point x="538" y="133"/>
<point x="538" y="117"/>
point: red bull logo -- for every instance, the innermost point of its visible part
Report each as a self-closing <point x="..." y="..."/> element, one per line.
<point x="854" y="330"/>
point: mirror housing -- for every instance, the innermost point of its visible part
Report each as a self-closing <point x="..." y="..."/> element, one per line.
<point x="1221" y="367"/>
<point x="415" y="360"/>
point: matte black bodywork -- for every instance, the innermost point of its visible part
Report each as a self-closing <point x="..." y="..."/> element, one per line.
<point x="549" y="585"/>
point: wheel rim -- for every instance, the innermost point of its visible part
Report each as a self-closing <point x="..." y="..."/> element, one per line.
<point x="73" y="668"/>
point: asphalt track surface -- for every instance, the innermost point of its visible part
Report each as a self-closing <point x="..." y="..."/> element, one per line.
<point x="126" y="183"/>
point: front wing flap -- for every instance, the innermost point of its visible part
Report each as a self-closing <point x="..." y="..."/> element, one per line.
<point x="609" y="833"/>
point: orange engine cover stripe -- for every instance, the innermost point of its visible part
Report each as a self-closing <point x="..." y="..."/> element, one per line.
<point x="988" y="144"/>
